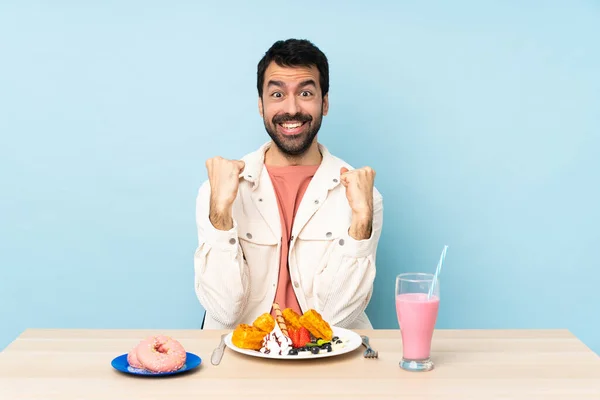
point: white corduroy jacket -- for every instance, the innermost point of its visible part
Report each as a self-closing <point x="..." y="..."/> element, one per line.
<point x="236" y="271"/>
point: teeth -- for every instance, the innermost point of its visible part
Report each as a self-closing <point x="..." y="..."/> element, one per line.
<point x="292" y="126"/>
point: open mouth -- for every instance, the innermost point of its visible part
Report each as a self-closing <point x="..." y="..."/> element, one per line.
<point x="291" y="127"/>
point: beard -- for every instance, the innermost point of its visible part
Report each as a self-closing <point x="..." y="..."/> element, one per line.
<point x="294" y="145"/>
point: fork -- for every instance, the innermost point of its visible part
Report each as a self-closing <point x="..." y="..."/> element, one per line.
<point x="369" y="353"/>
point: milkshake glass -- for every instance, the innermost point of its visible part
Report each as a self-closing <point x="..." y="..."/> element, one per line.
<point x="417" y="315"/>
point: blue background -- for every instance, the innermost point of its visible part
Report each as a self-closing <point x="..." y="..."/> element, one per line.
<point x="482" y="122"/>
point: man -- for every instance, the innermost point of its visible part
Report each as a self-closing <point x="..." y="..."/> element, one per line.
<point x="289" y="223"/>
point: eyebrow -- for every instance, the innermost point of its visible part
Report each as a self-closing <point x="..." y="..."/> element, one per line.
<point x="276" y="83"/>
<point x="308" y="82"/>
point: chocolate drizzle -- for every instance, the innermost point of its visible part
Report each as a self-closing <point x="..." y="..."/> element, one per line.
<point x="276" y="338"/>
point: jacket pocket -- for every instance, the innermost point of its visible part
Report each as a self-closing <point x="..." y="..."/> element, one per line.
<point x="312" y="251"/>
<point x="321" y="231"/>
<point x="260" y="248"/>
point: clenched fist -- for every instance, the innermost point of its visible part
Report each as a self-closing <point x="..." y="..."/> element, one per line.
<point x="359" y="185"/>
<point x="224" y="178"/>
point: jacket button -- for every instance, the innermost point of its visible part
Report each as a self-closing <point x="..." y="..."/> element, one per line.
<point x="328" y="234"/>
<point x="296" y="284"/>
<point x="232" y="241"/>
<point x="316" y="201"/>
<point x="341" y="242"/>
<point x="335" y="180"/>
<point x="291" y="238"/>
<point x="249" y="235"/>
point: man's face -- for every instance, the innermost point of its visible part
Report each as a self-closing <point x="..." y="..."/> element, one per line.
<point x="292" y="107"/>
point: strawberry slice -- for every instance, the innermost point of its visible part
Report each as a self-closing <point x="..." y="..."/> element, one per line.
<point x="303" y="336"/>
<point x="294" y="334"/>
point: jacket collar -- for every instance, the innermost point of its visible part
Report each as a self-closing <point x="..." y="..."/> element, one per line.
<point x="328" y="172"/>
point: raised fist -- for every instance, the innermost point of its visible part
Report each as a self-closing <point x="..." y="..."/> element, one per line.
<point x="359" y="190"/>
<point x="224" y="178"/>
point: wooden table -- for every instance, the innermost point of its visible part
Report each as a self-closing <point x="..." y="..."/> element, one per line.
<point x="470" y="364"/>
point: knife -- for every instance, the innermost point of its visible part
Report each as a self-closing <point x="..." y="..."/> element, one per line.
<point x="217" y="353"/>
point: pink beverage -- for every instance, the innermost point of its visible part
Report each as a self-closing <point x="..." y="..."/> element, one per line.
<point x="416" y="316"/>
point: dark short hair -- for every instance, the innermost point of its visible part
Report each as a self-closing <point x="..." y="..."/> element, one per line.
<point x="294" y="53"/>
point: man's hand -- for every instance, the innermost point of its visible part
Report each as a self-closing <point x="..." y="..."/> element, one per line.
<point x="224" y="178"/>
<point x="359" y="191"/>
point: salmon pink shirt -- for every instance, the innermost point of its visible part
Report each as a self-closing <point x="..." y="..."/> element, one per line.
<point x="290" y="183"/>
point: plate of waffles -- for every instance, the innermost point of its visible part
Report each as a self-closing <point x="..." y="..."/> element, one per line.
<point x="291" y="336"/>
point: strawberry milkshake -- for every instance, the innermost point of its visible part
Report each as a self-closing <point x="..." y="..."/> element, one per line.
<point x="417" y="314"/>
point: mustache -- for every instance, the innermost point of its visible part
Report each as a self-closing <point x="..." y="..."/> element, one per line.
<point x="281" y="118"/>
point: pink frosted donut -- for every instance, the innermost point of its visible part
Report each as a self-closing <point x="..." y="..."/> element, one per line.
<point x="161" y="354"/>
<point x="132" y="358"/>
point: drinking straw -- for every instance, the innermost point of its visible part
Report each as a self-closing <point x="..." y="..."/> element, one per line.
<point x="437" y="272"/>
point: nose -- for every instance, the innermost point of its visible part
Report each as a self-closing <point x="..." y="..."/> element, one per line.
<point x="291" y="105"/>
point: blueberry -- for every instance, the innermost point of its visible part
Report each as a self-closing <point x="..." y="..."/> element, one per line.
<point x="315" y="350"/>
<point x="329" y="349"/>
<point x="293" y="352"/>
<point x="338" y="342"/>
<point x="335" y="339"/>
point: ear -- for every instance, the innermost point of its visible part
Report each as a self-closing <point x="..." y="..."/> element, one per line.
<point x="260" y="106"/>
<point x="326" y="104"/>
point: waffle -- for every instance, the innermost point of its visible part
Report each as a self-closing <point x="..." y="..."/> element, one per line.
<point x="264" y="322"/>
<point x="247" y="337"/>
<point x="250" y="336"/>
<point x="316" y="325"/>
<point x="292" y="319"/>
